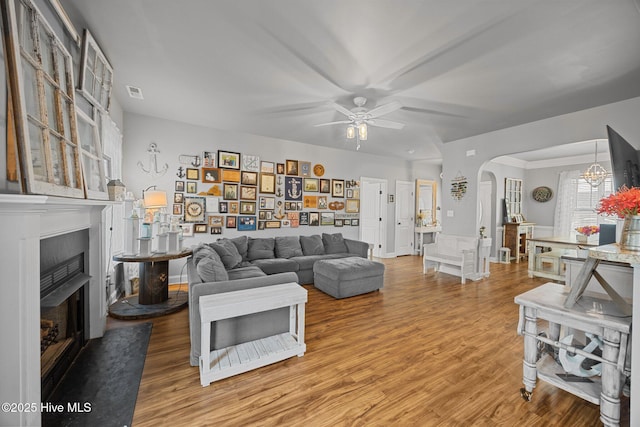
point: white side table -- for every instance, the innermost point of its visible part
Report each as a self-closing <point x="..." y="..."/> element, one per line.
<point x="484" y="252"/>
<point x="421" y="231"/>
<point x="236" y="359"/>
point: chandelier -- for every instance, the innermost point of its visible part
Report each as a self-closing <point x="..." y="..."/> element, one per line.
<point x="360" y="135"/>
<point x="595" y="174"/>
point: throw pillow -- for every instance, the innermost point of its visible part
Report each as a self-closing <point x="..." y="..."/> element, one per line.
<point x="312" y="245"/>
<point x="261" y="248"/>
<point x="242" y="243"/>
<point x="228" y="253"/>
<point x="334" y="243"/>
<point x="288" y="246"/>
<point x="203" y="251"/>
<point x="211" y="269"/>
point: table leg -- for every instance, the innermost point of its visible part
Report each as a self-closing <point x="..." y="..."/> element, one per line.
<point x="611" y="380"/>
<point x="529" y="369"/>
<point x="154" y="282"/>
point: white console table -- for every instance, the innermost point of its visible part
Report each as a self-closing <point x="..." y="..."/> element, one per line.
<point x="421" y="231"/>
<point x="233" y="360"/>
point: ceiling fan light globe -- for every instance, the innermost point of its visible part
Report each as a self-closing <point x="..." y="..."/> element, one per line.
<point x="351" y="132"/>
<point x="362" y="131"/>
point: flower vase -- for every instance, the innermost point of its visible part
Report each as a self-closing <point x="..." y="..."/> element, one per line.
<point x="581" y="238"/>
<point x="630" y="237"/>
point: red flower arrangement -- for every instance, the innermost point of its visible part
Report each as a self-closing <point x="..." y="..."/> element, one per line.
<point x="588" y="230"/>
<point x="626" y="201"/>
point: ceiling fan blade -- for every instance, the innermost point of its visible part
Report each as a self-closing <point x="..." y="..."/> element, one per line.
<point x="339" y="108"/>
<point x="384" y="109"/>
<point x="385" y="124"/>
<point x="334" y="123"/>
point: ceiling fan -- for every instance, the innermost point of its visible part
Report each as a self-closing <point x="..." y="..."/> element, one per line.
<point x="359" y="118"/>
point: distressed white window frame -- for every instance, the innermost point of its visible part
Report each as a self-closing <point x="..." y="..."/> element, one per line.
<point x="95" y="182"/>
<point x="96" y="73"/>
<point x="44" y="105"/>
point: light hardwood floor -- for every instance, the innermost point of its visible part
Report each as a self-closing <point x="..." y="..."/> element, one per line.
<point x="425" y="351"/>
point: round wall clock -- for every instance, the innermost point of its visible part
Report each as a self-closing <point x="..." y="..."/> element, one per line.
<point x="542" y="194"/>
<point x="318" y="170"/>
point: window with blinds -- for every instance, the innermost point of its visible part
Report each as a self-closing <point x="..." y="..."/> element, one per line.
<point x="587" y="198"/>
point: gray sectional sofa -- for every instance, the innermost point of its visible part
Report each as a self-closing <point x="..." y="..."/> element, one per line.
<point x="245" y="263"/>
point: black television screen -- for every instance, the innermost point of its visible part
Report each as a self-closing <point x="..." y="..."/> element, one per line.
<point x="624" y="161"/>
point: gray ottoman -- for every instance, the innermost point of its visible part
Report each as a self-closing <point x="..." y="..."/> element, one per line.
<point x="346" y="277"/>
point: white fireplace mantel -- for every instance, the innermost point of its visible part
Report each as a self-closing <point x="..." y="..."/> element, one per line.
<point x="24" y="221"/>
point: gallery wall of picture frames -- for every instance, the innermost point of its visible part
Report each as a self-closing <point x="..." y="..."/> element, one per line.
<point x="244" y="192"/>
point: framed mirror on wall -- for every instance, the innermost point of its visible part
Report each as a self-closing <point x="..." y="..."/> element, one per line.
<point x="426" y="205"/>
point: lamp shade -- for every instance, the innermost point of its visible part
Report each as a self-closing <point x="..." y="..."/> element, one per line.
<point x="155" y="199"/>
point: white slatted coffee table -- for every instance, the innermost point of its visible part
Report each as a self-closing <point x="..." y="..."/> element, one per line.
<point x="236" y="359"/>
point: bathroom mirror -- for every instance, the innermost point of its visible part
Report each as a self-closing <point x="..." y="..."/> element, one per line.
<point x="425" y="202"/>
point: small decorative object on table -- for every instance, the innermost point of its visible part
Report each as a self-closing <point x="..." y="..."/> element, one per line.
<point x="585" y="231"/>
<point x="625" y="203"/>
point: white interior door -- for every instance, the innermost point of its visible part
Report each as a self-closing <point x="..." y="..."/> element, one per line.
<point x="405" y="202"/>
<point x="370" y="230"/>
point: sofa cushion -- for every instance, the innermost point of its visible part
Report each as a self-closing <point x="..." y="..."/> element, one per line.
<point x="288" y="246"/>
<point x="312" y="245"/>
<point x="202" y="251"/>
<point x="352" y="268"/>
<point x="228" y="253"/>
<point x="261" y="248"/>
<point x="211" y="269"/>
<point x="306" y="262"/>
<point x="245" y="272"/>
<point x="242" y="244"/>
<point x="276" y="265"/>
<point x="334" y="243"/>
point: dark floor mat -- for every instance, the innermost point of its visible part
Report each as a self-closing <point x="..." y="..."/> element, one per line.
<point x="101" y="387"/>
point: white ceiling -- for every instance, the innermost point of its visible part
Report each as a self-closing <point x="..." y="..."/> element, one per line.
<point x="459" y="68"/>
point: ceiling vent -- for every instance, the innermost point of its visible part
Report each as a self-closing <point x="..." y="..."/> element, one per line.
<point x="135" y="92"/>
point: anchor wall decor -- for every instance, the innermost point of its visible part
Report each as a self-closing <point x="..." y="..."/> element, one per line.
<point x="153" y="162"/>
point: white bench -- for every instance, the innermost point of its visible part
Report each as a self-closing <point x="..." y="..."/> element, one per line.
<point x="236" y="359"/>
<point x="452" y="254"/>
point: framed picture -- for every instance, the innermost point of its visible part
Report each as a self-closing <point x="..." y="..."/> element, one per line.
<point x="234" y="208"/>
<point x="216" y="220"/>
<point x="248" y="208"/>
<point x="355" y="222"/>
<point x="267" y="203"/>
<point x="250" y="163"/>
<point x="305" y="168"/>
<point x="246" y="223"/>
<point x="228" y="160"/>
<point x="352" y="206"/>
<point x="293" y="188"/>
<point x="310" y="202"/>
<point x="192" y="187"/>
<point x="247" y="193"/>
<point x="193" y="173"/>
<point x="347" y="221"/>
<point x="230" y="191"/>
<point x="323" y="202"/>
<point x="272" y="224"/>
<point x="216" y="230"/>
<point x="200" y="228"/>
<point x="285" y="223"/>
<point x="178" y="197"/>
<point x="337" y="223"/>
<point x="304" y="218"/>
<point x="294" y="219"/>
<point x="311" y="185"/>
<point x="337" y="188"/>
<point x="292" y="167"/>
<point x="223" y="207"/>
<point x="299" y="206"/>
<point x="325" y="186"/>
<point x="194" y="209"/>
<point x="249" y="178"/>
<point x="211" y="175"/>
<point x="230" y="175"/>
<point x="349" y="193"/>
<point x="179" y="186"/>
<point x="177" y="209"/>
<point x="267" y="167"/>
<point x="187" y="230"/>
<point x="314" y="219"/>
<point x="231" y="221"/>
<point x="327" y="218"/>
<point x="280" y="168"/>
<point x="209" y="159"/>
<point x="213" y="204"/>
<point x="287" y="206"/>
<point x="267" y="183"/>
<point x="262" y="215"/>
<point x="261" y="225"/>
<point x="356" y="193"/>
